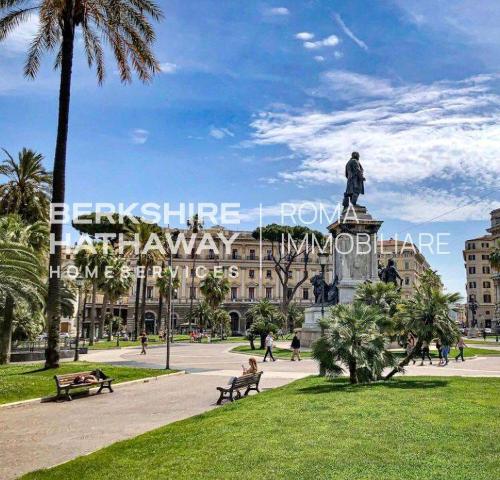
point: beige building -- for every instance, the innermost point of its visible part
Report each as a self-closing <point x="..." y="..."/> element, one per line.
<point x="480" y="284"/>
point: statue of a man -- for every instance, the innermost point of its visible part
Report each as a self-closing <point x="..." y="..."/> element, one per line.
<point x="355" y="180"/>
<point x="390" y="274"/>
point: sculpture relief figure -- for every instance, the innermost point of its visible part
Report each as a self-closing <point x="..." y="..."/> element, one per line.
<point x="323" y="292"/>
<point x="355" y="180"/>
<point x="390" y="274"/>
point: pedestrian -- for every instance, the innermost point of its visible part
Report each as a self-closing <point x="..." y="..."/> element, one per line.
<point x="144" y="343"/>
<point x="409" y="351"/>
<point x="252" y="367"/>
<point x="460" y="345"/>
<point x="425" y="352"/>
<point x="269" y="346"/>
<point x="439" y="347"/>
<point x="295" y="347"/>
<point x="446" y="351"/>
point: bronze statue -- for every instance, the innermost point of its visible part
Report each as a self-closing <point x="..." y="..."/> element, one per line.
<point x="355" y="180"/>
<point x="390" y="274"/>
<point x="323" y="292"/>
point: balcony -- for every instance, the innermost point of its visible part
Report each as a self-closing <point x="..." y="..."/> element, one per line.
<point x="252" y="257"/>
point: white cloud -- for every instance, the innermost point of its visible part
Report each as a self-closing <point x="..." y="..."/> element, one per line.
<point x="408" y="134"/>
<point x="338" y="54"/>
<point x="349" y="32"/>
<point x="139" y="136"/>
<point x="304" y="36"/>
<point x="319" y="58"/>
<point x="220" y="133"/>
<point x="281" y="11"/>
<point x="167" y="67"/>
<point x="330" y="41"/>
<point x="354" y="85"/>
<point x="19" y="39"/>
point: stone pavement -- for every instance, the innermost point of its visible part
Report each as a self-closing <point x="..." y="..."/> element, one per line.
<point x="38" y="435"/>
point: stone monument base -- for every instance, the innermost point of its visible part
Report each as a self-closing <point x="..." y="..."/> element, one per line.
<point x="311" y="330"/>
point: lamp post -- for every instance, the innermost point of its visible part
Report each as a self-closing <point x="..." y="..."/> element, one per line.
<point x="473" y="308"/>
<point x="175" y="234"/>
<point x="79" y="283"/>
<point x="119" y="327"/>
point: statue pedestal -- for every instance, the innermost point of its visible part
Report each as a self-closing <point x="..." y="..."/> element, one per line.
<point x="311" y="330"/>
<point x="355" y="250"/>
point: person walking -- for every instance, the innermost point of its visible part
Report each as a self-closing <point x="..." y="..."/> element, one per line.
<point x="460" y="345"/>
<point x="446" y="352"/>
<point x="295" y="347"/>
<point x="439" y="347"/>
<point x="144" y="343"/>
<point x="410" y="346"/>
<point x="269" y="346"/>
<point x="425" y="352"/>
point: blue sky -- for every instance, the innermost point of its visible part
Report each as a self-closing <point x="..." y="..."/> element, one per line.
<point x="262" y="103"/>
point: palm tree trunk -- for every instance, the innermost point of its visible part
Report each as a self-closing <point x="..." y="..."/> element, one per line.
<point x="143" y="303"/>
<point x="138" y="283"/>
<point x="353" y="375"/>
<point x="160" y="311"/>
<point x="111" y="317"/>
<point x="6" y="331"/>
<point x="405" y="360"/>
<point x="102" y="320"/>
<point x="93" y="313"/>
<point x="58" y="193"/>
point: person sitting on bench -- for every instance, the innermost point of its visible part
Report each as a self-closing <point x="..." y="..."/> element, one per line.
<point x="252" y="367"/>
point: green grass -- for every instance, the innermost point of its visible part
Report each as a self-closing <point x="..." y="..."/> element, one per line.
<point x="406" y="429"/>
<point x="154" y="340"/>
<point x="22" y="382"/>
<point x="283" y="353"/>
<point x="470" y="352"/>
<point x="490" y="341"/>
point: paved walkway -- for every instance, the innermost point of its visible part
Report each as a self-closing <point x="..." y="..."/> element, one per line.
<point x="39" y="435"/>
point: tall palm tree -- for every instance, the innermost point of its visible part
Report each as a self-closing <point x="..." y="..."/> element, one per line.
<point x="32" y="241"/>
<point x="200" y="315"/>
<point x="115" y="284"/>
<point x="167" y="283"/>
<point x="221" y="322"/>
<point x="28" y="187"/>
<point x="353" y="338"/>
<point x="195" y="226"/>
<point x="92" y="262"/>
<point x="263" y="317"/>
<point x="214" y="288"/>
<point x="125" y="26"/>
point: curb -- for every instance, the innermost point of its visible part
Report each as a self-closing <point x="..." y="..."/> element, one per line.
<point x="118" y="385"/>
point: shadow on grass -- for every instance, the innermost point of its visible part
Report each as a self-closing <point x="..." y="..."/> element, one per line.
<point x="344" y="386"/>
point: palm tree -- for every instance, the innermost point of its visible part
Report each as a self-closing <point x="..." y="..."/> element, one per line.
<point x="124" y="25"/>
<point x="115" y="284"/>
<point x="263" y="317"/>
<point x="200" y="315"/>
<point x="353" y="338"/>
<point x="92" y="261"/>
<point x="495" y="257"/>
<point x="426" y="316"/>
<point x="27" y="190"/>
<point x="221" y="322"/>
<point x="214" y="288"/>
<point x="33" y="239"/>
<point x="167" y="283"/>
<point x="195" y="225"/>
<point x="295" y="315"/>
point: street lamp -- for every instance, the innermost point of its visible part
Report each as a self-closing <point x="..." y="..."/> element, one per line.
<point x="473" y="305"/>
<point x="175" y="234"/>
<point x="79" y="283"/>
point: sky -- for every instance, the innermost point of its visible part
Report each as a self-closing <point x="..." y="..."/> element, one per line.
<point x="261" y="103"/>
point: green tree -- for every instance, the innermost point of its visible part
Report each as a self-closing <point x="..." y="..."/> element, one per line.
<point x="167" y="283"/>
<point x="92" y="260"/>
<point x="495" y="256"/>
<point x="353" y="338"/>
<point x="214" y="288"/>
<point x="263" y="318"/>
<point x="426" y="316"/>
<point x="289" y="249"/>
<point x="27" y="189"/>
<point x="200" y="315"/>
<point x="125" y="27"/>
<point x="295" y="315"/>
<point x="221" y="322"/>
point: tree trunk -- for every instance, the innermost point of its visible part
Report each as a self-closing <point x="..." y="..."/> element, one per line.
<point x="353" y="375"/>
<point x="58" y="192"/>
<point x="111" y="317"/>
<point x="263" y="340"/>
<point x="6" y="331"/>
<point x="252" y="342"/>
<point x="102" y="320"/>
<point x="191" y="290"/>
<point x="138" y="283"/>
<point x="143" y="305"/>
<point x="405" y="361"/>
<point x="93" y="313"/>
<point x="160" y="312"/>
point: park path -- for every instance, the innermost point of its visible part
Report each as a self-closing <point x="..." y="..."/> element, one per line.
<point x="40" y="435"/>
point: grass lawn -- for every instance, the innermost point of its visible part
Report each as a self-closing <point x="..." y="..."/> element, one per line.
<point x="406" y="429"/>
<point x="490" y="341"/>
<point x="22" y="382"/>
<point x="469" y="352"/>
<point x="277" y="352"/>
<point x="154" y="340"/>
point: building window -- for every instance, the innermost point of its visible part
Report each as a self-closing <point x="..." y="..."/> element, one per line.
<point x="289" y="293"/>
<point x="485" y="245"/>
<point x="193" y="272"/>
<point x="192" y="292"/>
<point x="175" y="294"/>
<point x="407" y="280"/>
<point x="251" y="273"/>
<point x="485" y="257"/>
<point x="472" y="284"/>
<point x="407" y="265"/>
<point x="251" y="293"/>
<point x="472" y="297"/>
<point x="269" y="293"/>
<point x="234" y="293"/>
<point x="269" y="255"/>
<point x="471" y="246"/>
<point x="472" y="270"/>
<point x="269" y="274"/>
<point x="305" y="293"/>
<point x="149" y="293"/>
<point x="211" y="254"/>
<point x="234" y="255"/>
<point x="252" y="255"/>
<point x="486" y="269"/>
<point x="486" y="284"/>
<point x="472" y="257"/>
<point x="290" y="274"/>
<point x="487" y="298"/>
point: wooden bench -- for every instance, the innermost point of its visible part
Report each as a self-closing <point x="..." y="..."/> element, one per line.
<point x="66" y="382"/>
<point x="248" y="382"/>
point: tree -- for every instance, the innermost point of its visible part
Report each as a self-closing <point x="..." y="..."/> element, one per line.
<point x="221" y="322"/>
<point x="92" y="260"/>
<point x="426" y="316"/>
<point x="115" y="284"/>
<point x="26" y="192"/>
<point x="167" y="283"/>
<point x="285" y="256"/>
<point x="214" y="288"/>
<point x="353" y="338"/>
<point x="94" y="225"/>
<point x="295" y="315"/>
<point x="195" y="226"/>
<point x="200" y="315"/>
<point x="125" y="26"/>
<point x="495" y="256"/>
<point x="263" y="317"/>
